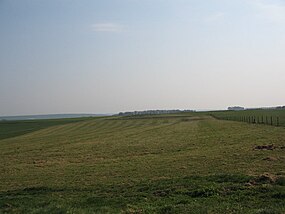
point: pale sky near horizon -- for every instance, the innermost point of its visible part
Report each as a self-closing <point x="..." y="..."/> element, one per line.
<point x="91" y="56"/>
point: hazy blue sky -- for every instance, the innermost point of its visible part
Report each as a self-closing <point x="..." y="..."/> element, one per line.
<point x="73" y="56"/>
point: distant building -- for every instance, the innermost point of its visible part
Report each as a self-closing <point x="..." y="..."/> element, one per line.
<point x="236" y="108"/>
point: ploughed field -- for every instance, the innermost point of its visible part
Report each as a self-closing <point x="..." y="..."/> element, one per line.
<point x="187" y="163"/>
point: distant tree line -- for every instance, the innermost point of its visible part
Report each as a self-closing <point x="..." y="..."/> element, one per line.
<point x="239" y="108"/>
<point x="153" y="112"/>
<point x="236" y="108"/>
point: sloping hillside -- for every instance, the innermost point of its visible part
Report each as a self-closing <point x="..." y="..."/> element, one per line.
<point x="168" y="164"/>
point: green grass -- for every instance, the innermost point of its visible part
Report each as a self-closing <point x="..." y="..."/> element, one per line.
<point x="188" y="163"/>
<point x="15" y="128"/>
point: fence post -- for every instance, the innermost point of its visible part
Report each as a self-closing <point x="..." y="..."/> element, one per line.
<point x="271" y="121"/>
<point x="266" y="120"/>
<point x="277" y="121"/>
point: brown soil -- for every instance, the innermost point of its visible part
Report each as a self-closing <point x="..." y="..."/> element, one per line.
<point x="265" y="147"/>
<point x="270" y="159"/>
<point x="264" y="178"/>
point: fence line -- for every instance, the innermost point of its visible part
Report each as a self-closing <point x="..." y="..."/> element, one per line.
<point x="266" y="120"/>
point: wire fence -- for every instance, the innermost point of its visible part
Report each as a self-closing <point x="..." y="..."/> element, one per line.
<point x="266" y="120"/>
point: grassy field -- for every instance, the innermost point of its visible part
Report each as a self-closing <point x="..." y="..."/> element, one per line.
<point x="15" y="128"/>
<point x="259" y="115"/>
<point x="188" y="163"/>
